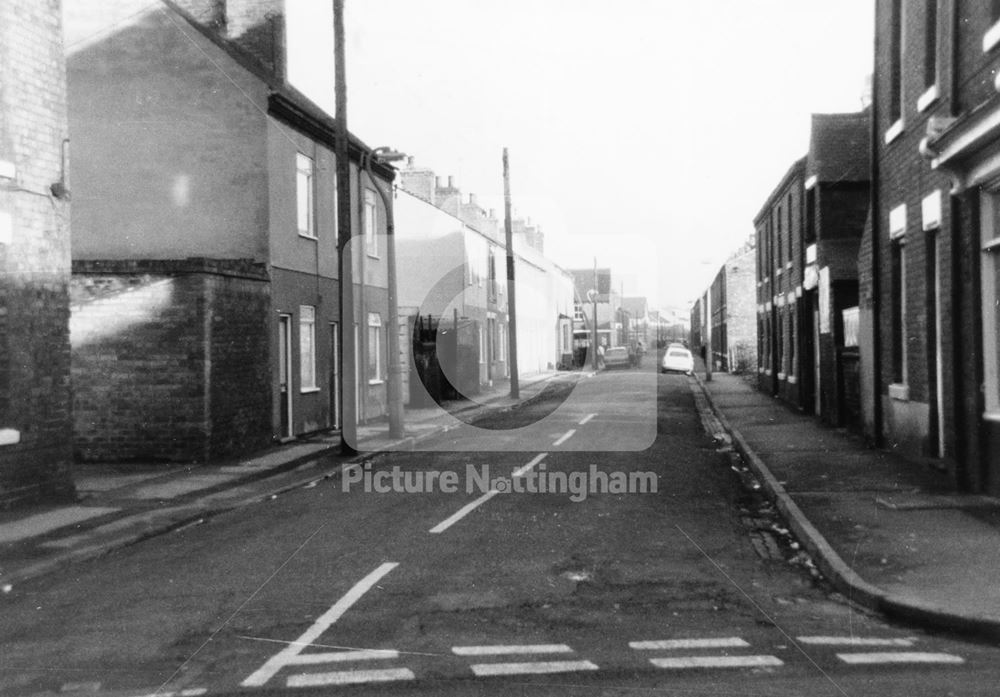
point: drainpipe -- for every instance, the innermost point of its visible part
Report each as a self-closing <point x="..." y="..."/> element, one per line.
<point x="873" y="202"/>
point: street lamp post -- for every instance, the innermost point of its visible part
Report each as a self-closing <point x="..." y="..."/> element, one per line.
<point x="592" y="297"/>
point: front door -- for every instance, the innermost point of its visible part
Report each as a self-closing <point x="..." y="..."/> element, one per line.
<point x="334" y="390"/>
<point x="285" y="374"/>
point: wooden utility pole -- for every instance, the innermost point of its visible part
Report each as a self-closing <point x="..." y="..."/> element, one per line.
<point x="345" y="339"/>
<point x="515" y="388"/>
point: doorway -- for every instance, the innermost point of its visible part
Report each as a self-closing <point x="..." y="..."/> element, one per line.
<point x="285" y="374"/>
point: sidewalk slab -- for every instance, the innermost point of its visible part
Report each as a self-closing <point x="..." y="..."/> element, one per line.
<point x="43" y="523"/>
<point x="888" y="532"/>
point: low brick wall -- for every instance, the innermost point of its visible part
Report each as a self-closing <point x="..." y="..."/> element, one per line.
<point x="170" y="359"/>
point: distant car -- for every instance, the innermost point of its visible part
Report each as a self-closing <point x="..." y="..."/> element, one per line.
<point x="616" y="357"/>
<point x="677" y="359"/>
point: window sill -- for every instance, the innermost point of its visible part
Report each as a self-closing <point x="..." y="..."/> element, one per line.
<point x="899" y="392"/>
<point x="308" y="390"/>
<point x="782" y="376"/>
<point x="992" y="37"/>
<point x="895" y="130"/>
<point x="927" y="98"/>
<point x="376" y="382"/>
<point x="792" y="380"/>
<point x="9" y="436"/>
<point x="307" y="236"/>
<point x="993" y="416"/>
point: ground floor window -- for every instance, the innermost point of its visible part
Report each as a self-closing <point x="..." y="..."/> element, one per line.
<point x="991" y="326"/>
<point x="374" y="347"/>
<point x="307" y="347"/>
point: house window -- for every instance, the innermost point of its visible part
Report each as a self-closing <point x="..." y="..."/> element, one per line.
<point x="811" y="215"/>
<point x="778" y="256"/>
<point x="307" y="348"/>
<point x="304" y="195"/>
<point x="930" y="42"/>
<point x="791" y="341"/>
<point x="371" y="224"/>
<point x="779" y="343"/>
<point x="991" y="326"/>
<point x="789" y="210"/>
<point x="992" y="36"/>
<point x="482" y="345"/>
<point x="374" y="348"/>
<point x="899" y="311"/>
<point x="895" y="100"/>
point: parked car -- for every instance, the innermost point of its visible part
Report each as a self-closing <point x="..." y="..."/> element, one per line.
<point x="677" y="359"/>
<point x="616" y="357"/>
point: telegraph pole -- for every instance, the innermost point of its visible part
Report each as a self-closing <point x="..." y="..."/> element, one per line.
<point x="346" y="346"/>
<point x="515" y="388"/>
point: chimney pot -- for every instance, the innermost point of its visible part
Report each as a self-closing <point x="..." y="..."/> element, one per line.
<point x="439" y="182"/>
<point x="410" y="160"/>
<point x="451" y="182"/>
<point x="472" y="199"/>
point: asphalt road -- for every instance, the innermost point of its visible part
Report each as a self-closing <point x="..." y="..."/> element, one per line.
<point x="691" y="589"/>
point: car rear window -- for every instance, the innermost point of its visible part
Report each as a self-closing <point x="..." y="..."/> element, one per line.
<point x="616" y="351"/>
<point x="679" y="353"/>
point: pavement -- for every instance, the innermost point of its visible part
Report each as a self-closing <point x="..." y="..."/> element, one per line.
<point x="889" y="533"/>
<point x="120" y="504"/>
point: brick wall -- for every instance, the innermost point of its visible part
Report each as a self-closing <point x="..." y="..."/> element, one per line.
<point x="170" y="360"/>
<point x="34" y="256"/>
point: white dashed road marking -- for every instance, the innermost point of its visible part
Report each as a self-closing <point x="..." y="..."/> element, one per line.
<point x="506" y="650"/>
<point x="720" y="643"/>
<point x="289" y="655"/>
<point x="585" y="419"/>
<point x="469" y="507"/>
<point x="717" y="662"/>
<point x="531" y="668"/>
<point x="565" y="437"/>
<point x="350" y="677"/>
<point x="898" y="657"/>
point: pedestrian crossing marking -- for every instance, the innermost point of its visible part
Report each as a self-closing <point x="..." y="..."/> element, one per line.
<point x="718" y="643"/>
<point x="854" y="641"/>
<point x="758" y="661"/>
<point x="531" y="668"/>
<point x="502" y="650"/>
<point x="305" y="659"/>
<point x="349" y="677"/>
<point x="898" y="657"/>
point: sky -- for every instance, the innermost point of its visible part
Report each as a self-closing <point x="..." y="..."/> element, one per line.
<point x="645" y="134"/>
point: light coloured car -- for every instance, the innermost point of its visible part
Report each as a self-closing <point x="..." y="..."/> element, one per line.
<point x="616" y="357"/>
<point x="677" y="359"/>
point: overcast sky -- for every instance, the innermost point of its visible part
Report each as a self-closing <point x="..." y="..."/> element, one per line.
<point x="645" y="133"/>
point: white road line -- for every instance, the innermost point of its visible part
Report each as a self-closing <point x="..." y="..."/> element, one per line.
<point x="309" y="659"/>
<point x="350" y="677"/>
<point x="852" y="641"/>
<point x="506" y="650"/>
<point x="898" y="657"/>
<point x="462" y="512"/>
<point x="531" y="668"/>
<point x="585" y="419"/>
<point x="469" y="507"/>
<point x="716" y="662"/>
<point x="520" y="471"/>
<point x="287" y="655"/>
<point x="565" y="437"/>
<point x="720" y="643"/>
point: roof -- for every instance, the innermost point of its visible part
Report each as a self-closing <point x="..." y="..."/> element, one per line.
<point x="285" y="102"/>
<point x="797" y="169"/>
<point x="839" y="147"/>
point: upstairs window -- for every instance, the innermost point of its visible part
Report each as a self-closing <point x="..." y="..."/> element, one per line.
<point x="895" y="66"/>
<point x="304" y="195"/>
<point x="930" y="41"/>
<point x="371" y="224"/>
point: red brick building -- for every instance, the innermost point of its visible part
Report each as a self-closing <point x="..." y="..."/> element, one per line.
<point x="808" y="235"/>
<point x="35" y="396"/>
<point x="930" y="264"/>
<point x="206" y="272"/>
